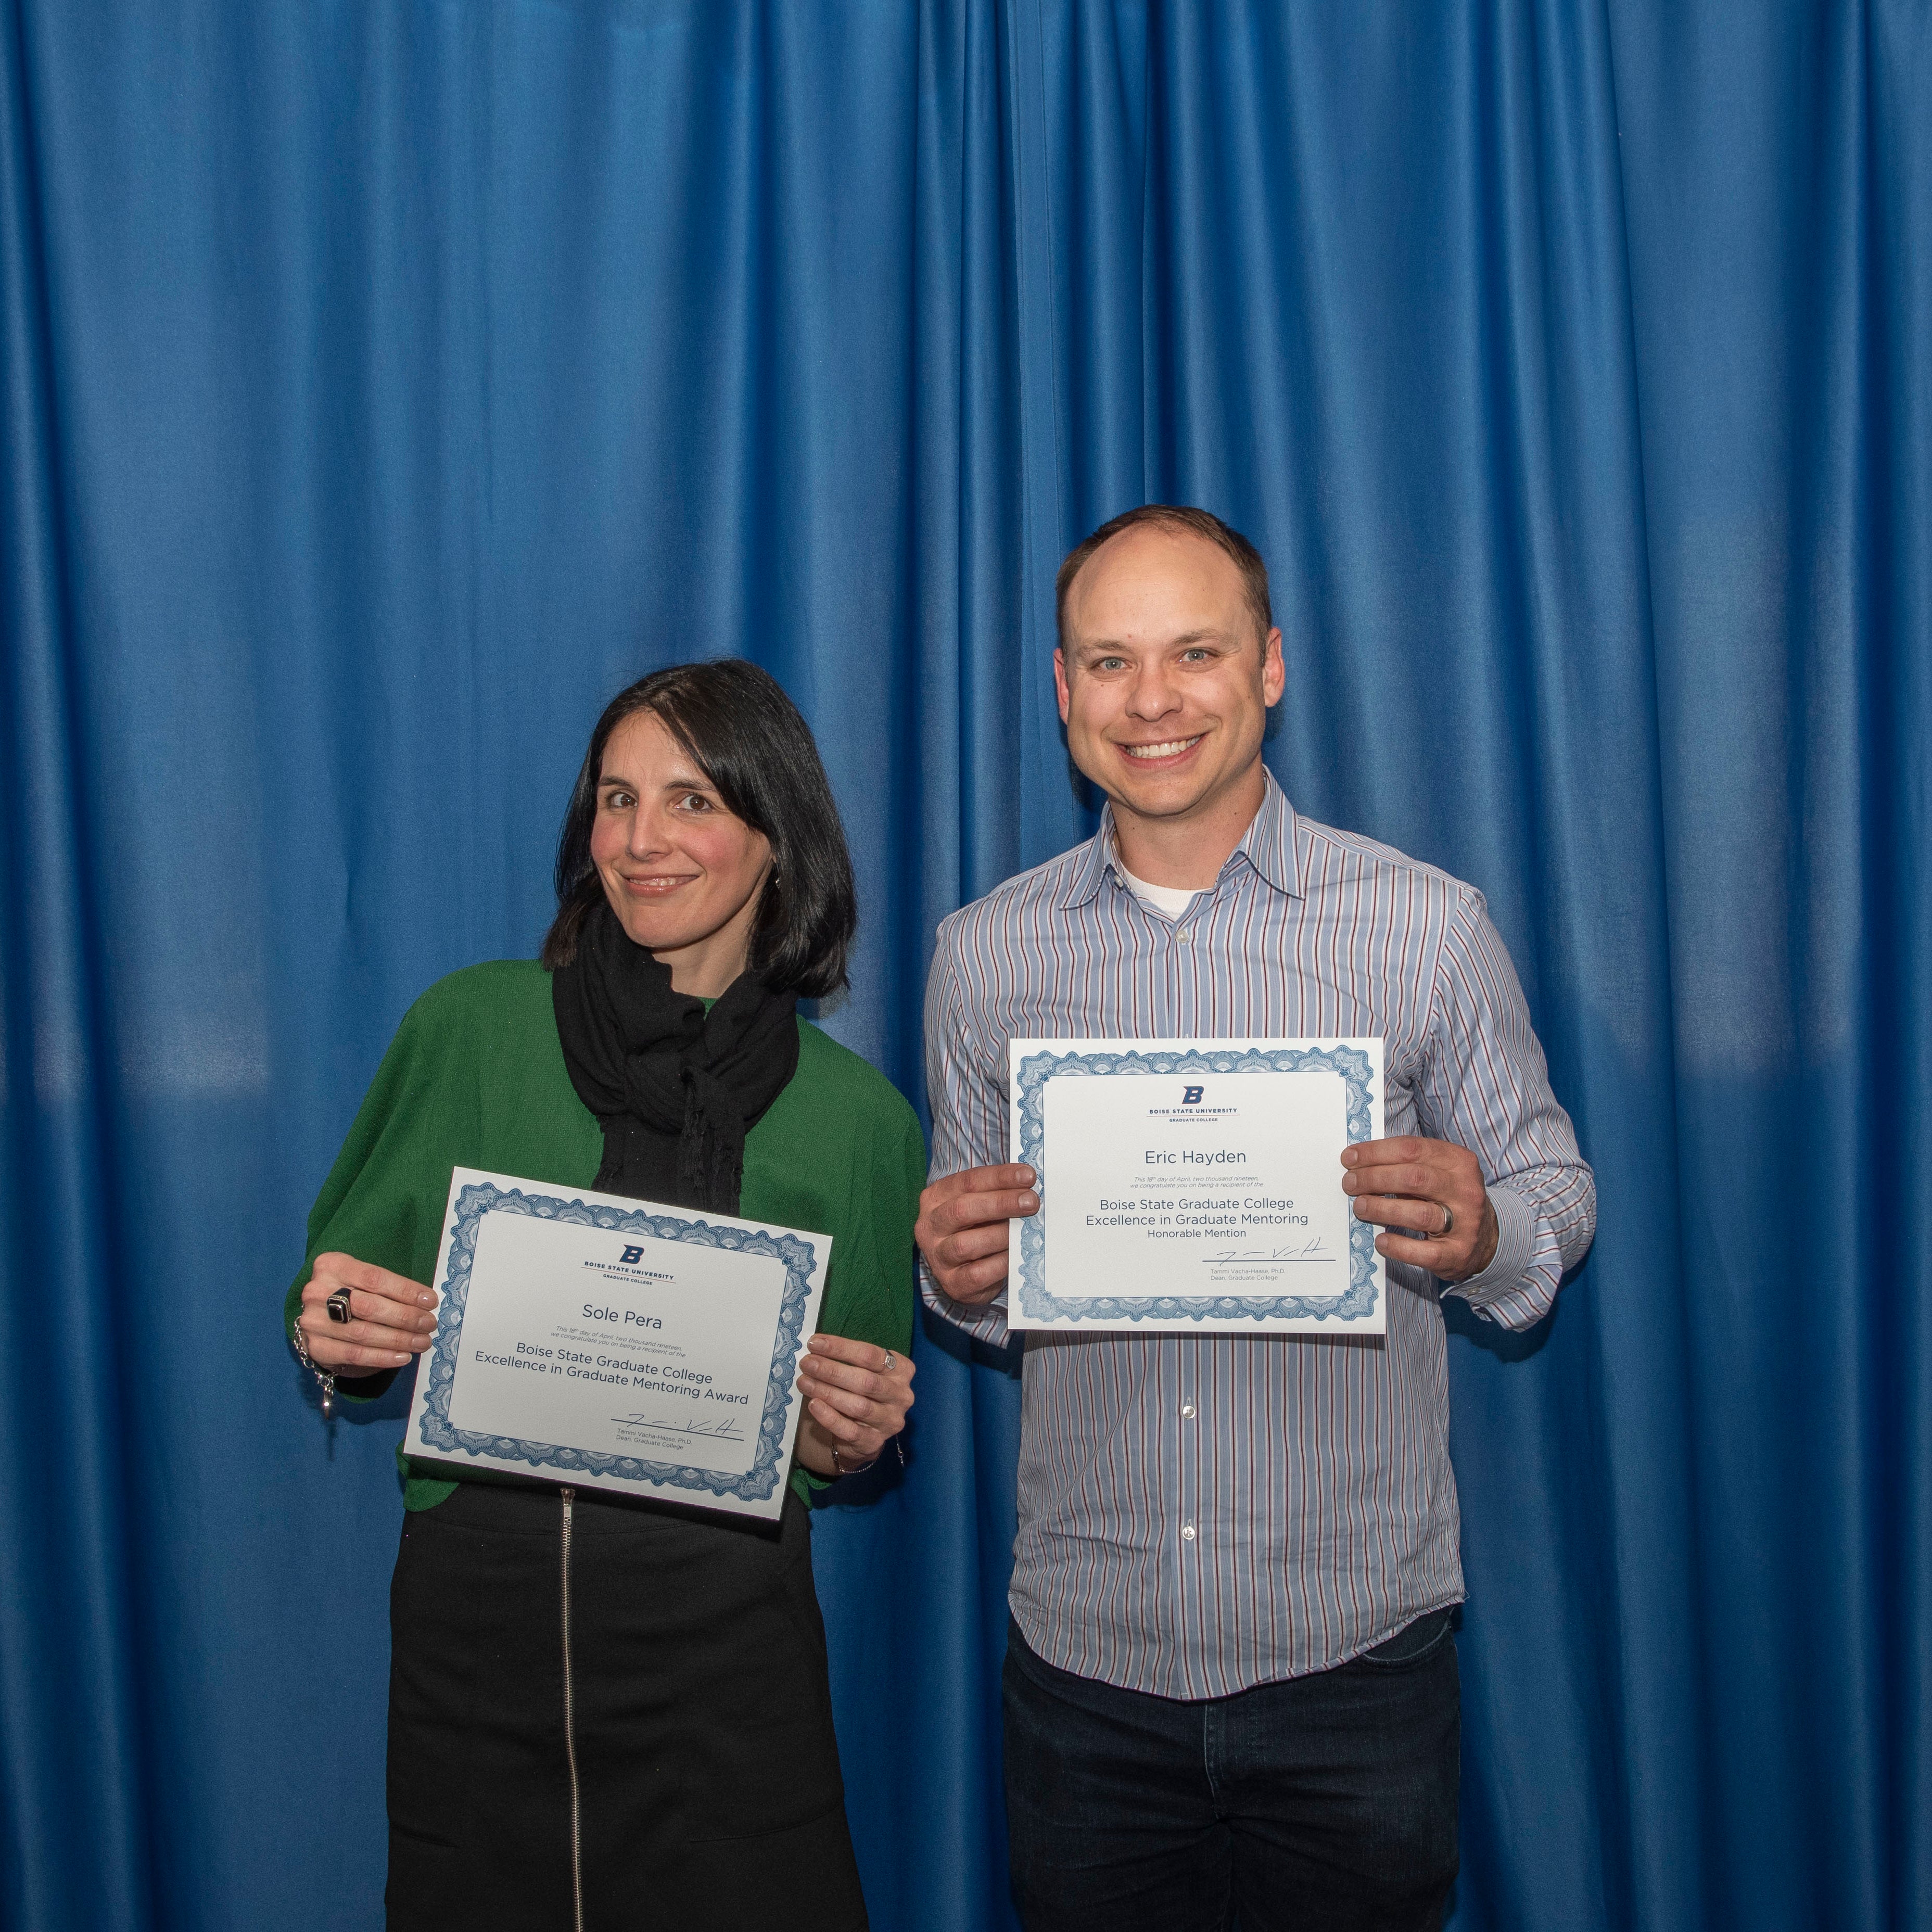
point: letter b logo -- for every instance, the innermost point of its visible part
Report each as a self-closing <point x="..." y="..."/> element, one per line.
<point x="1190" y="1097"/>
<point x="631" y="1255"/>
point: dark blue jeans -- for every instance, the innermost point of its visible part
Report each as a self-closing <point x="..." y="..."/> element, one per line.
<point x="1321" y="1804"/>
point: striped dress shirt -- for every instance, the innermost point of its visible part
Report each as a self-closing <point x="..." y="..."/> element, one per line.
<point x="1198" y="1514"/>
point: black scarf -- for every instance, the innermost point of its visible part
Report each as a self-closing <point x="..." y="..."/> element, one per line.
<point x="676" y="1089"/>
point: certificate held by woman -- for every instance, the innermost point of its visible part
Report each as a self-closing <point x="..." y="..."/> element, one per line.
<point x="617" y="1344"/>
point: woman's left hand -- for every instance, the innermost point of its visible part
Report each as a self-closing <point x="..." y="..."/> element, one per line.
<point x="856" y="1394"/>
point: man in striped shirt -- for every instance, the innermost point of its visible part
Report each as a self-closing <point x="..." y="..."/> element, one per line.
<point x="1230" y="1686"/>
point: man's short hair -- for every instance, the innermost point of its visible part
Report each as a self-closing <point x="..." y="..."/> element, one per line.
<point x="1183" y="517"/>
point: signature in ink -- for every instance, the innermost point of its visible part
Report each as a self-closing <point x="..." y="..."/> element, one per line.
<point x="1314" y="1250"/>
<point x="727" y="1429"/>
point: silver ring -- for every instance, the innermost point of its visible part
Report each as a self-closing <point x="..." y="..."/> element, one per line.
<point x="1448" y="1221"/>
<point x="885" y="1367"/>
<point x="337" y="1305"/>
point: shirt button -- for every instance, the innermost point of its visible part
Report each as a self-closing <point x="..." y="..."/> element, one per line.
<point x="1185" y="932"/>
<point x="1187" y="1532"/>
<point x="1187" y="1410"/>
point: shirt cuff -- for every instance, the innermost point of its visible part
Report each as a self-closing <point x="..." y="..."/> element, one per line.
<point x="985" y="1321"/>
<point x="1502" y="1292"/>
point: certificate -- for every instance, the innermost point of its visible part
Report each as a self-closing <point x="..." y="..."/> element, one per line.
<point x="615" y="1344"/>
<point x="1195" y="1186"/>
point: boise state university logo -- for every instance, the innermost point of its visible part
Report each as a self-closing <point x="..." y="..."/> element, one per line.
<point x="631" y="1256"/>
<point x="1190" y="1097"/>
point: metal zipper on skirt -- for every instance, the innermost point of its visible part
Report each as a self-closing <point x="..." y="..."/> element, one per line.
<point x="570" y="1735"/>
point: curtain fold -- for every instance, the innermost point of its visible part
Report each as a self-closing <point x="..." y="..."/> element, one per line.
<point x="382" y="386"/>
<point x="73" y="1734"/>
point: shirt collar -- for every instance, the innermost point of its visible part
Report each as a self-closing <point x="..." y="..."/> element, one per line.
<point x="1270" y="847"/>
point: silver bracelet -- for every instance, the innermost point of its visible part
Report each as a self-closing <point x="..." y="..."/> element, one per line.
<point x="327" y="1380"/>
<point x="859" y="1468"/>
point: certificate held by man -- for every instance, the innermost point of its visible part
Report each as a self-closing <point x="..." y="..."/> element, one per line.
<point x="614" y="1344"/>
<point x="1195" y="1186"/>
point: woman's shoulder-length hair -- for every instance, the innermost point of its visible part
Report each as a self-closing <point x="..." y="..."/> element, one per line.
<point x="750" y="742"/>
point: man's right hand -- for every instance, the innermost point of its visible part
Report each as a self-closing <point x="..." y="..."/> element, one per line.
<point x="392" y="1319"/>
<point x="962" y="1228"/>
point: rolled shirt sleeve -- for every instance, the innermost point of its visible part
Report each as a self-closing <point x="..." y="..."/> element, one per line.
<point x="1485" y="1087"/>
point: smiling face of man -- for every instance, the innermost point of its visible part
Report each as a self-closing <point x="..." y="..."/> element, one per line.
<point x="1165" y="688"/>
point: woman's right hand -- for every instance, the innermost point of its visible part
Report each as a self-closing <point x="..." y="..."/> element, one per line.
<point x="392" y="1318"/>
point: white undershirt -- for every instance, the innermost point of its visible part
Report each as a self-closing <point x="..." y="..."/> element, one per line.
<point x="1172" y="900"/>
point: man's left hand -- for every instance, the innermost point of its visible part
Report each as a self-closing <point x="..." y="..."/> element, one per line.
<point x="1430" y="1195"/>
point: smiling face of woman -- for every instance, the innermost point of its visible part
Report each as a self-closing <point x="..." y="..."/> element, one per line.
<point x="682" y="871"/>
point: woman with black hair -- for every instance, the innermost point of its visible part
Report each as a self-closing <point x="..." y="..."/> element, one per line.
<point x="606" y="1712"/>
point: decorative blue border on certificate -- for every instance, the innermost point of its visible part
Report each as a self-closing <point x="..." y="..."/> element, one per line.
<point x="1356" y="1301"/>
<point x="767" y="1470"/>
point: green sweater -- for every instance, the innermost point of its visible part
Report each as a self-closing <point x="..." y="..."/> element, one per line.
<point x="475" y="1077"/>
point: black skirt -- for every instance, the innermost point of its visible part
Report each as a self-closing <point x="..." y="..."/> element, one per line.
<point x="606" y="1715"/>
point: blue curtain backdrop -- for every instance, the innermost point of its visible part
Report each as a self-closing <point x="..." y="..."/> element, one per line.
<point x="382" y="384"/>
